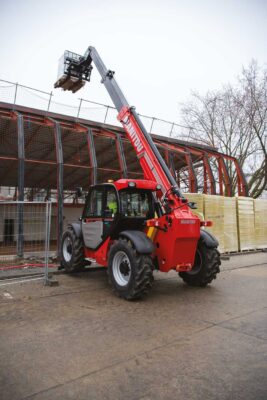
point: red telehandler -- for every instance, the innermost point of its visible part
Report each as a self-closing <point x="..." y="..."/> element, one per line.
<point x="131" y="226"/>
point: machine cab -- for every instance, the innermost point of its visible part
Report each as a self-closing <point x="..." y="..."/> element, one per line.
<point x="113" y="208"/>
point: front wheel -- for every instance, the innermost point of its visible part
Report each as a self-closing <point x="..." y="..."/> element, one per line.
<point x="206" y="266"/>
<point x="72" y="257"/>
<point x="130" y="273"/>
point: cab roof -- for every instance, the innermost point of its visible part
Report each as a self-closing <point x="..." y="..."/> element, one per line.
<point x="136" y="183"/>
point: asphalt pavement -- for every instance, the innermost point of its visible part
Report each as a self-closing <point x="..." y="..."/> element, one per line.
<point x="79" y="341"/>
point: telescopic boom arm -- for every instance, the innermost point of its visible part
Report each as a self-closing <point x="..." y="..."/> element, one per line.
<point x="77" y="70"/>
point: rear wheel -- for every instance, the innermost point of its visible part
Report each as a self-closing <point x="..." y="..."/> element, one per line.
<point x="206" y="266"/>
<point x="72" y="257"/>
<point x="130" y="273"/>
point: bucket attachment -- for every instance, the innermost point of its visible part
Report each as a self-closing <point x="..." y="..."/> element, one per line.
<point x="73" y="73"/>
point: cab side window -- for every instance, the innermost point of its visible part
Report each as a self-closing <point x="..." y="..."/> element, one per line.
<point x="111" y="203"/>
<point x="94" y="206"/>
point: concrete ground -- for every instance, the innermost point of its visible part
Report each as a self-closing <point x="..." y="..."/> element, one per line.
<point x="79" y="341"/>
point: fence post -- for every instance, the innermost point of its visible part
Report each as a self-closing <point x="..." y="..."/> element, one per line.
<point x="49" y="102"/>
<point x="60" y="199"/>
<point x="79" y="109"/>
<point x="106" y="114"/>
<point x="60" y="189"/>
<point x="152" y="123"/>
<point x="171" y="129"/>
<point x="47" y="240"/>
<point x="21" y="157"/>
<point x="15" y="96"/>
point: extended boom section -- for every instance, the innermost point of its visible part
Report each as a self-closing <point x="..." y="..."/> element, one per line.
<point x="74" y="68"/>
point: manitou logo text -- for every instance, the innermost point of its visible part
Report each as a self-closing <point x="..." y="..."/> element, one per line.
<point x="133" y="135"/>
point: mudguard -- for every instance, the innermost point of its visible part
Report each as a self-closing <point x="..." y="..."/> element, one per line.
<point x="77" y="227"/>
<point x="141" y="242"/>
<point x="208" y="239"/>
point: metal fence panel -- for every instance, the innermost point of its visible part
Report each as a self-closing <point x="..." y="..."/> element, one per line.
<point x="24" y="235"/>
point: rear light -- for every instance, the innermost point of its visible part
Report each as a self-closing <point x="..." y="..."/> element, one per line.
<point x="152" y="222"/>
<point x="206" y="223"/>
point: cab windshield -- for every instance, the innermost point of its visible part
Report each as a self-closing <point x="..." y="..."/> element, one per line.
<point x="136" y="203"/>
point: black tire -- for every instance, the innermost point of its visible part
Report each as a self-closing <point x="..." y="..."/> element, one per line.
<point x="72" y="256"/>
<point x="130" y="273"/>
<point x="206" y="266"/>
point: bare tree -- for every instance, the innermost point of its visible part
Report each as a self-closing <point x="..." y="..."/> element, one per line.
<point x="234" y="120"/>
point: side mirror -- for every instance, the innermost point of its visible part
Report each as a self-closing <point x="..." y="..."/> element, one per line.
<point x="79" y="191"/>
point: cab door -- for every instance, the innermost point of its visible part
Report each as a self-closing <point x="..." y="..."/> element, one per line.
<point x="92" y="219"/>
<point x="99" y="214"/>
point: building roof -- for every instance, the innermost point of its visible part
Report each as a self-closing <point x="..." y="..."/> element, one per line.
<point x="92" y="152"/>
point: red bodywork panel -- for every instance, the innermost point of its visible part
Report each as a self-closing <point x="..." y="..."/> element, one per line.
<point x="100" y="255"/>
<point x="176" y="239"/>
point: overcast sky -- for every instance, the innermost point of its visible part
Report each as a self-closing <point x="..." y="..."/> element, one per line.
<point x="160" y="50"/>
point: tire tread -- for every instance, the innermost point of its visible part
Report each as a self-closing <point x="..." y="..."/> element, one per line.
<point x="77" y="262"/>
<point x="143" y="275"/>
<point x="209" y="270"/>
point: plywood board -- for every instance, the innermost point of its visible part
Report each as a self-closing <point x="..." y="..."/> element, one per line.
<point x="230" y="225"/>
<point x="214" y="211"/>
<point x="260" y="220"/>
<point x="245" y="220"/>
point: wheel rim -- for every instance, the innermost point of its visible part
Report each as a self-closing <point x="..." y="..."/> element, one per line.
<point x="197" y="264"/>
<point x="67" y="249"/>
<point x="121" y="268"/>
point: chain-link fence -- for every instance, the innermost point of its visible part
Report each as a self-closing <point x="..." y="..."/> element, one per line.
<point x="25" y="236"/>
<point x="15" y="93"/>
